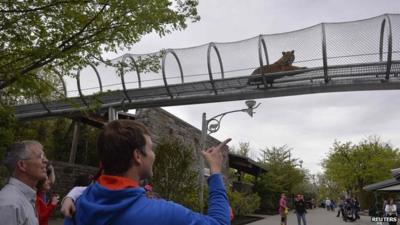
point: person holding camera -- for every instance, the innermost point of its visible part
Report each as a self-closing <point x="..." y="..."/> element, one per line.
<point x="46" y="208"/>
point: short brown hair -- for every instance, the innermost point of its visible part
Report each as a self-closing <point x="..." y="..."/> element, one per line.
<point x="116" y="143"/>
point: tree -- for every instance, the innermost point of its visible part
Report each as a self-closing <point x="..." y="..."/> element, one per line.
<point x="7" y="130"/>
<point x="42" y="39"/>
<point x="327" y="188"/>
<point x="242" y="203"/>
<point x="282" y="176"/>
<point x="243" y="150"/>
<point x="56" y="137"/>
<point x="175" y="177"/>
<point x="351" y="167"/>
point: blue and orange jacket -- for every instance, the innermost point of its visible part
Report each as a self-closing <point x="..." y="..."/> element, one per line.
<point x="119" y="201"/>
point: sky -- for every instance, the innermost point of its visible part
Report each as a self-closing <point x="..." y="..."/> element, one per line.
<point x="309" y="124"/>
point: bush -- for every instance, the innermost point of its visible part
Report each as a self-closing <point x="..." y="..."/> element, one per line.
<point x="175" y="177"/>
<point x="243" y="203"/>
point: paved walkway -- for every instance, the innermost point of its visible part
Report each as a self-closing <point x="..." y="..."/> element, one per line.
<point x="316" y="216"/>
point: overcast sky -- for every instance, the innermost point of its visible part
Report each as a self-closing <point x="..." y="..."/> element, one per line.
<point x="309" y="124"/>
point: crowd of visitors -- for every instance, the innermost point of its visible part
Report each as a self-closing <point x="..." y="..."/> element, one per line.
<point x="114" y="197"/>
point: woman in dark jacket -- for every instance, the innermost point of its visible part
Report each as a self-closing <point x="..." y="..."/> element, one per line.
<point x="300" y="207"/>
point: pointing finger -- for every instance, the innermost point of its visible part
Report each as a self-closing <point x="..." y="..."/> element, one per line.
<point x="222" y="144"/>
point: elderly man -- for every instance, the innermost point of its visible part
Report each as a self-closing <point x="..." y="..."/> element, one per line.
<point x="26" y="163"/>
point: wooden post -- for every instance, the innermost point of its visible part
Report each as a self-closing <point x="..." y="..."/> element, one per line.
<point x="75" y="140"/>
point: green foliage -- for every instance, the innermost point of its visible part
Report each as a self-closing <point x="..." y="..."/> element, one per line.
<point x="175" y="177"/>
<point x="56" y="138"/>
<point x="243" y="203"/>
<point x="87" y="151"/>
<point x="282" y="177"/>
<point x="328" y="188"/>
<point x="349" y="167"/>
<point x="243" y="150"/>
<point x="41" y="39"/>
<point x="7" y="125"/>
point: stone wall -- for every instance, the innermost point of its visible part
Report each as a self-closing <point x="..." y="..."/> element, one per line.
<point x="66" y="174"/>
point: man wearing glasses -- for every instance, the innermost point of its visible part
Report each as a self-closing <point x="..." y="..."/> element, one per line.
<point x="26" y="163"/>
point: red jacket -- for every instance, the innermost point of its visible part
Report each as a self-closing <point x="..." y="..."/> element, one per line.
<point x="44" y="210"/>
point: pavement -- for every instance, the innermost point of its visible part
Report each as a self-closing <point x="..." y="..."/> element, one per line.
<point x="56" y="221"/>
<point x="318" y="216"/>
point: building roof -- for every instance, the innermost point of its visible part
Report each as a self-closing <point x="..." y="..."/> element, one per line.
<point x="245" y="164"/>
<point x="382" y="185"/>
<point x="392" y="184"/>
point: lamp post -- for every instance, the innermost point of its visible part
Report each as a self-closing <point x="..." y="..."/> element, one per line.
<point x="210" y="126"/>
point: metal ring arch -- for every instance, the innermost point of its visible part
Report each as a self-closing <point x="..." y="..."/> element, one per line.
<point x="324" y="53"/>
<point x="390" y="44"/>
<point x="123" y="77"/>
<point x="262" y="46"/>
<point x="212" y="45"/>
<point x="62" y="82"/>
<point x="82" y="97"/>
<point x="64" y="89"/>
<point x="163" y="69"/>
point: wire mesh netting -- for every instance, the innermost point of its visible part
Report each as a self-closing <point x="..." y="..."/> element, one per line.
<point x="356" y="42"/>
<point x="331" y="52"/>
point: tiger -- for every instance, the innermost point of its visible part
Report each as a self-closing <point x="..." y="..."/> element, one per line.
<point x="283" y="64"/>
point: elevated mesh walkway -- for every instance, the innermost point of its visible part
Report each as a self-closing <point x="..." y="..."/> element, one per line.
<point x="350" y="56"/>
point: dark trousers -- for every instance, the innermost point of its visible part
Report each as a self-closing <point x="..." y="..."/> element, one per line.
<point x="393" y="223"/>
<point x="301" y="216"/>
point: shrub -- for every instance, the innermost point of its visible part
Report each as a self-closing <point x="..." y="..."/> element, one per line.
<point x="243" y="203"/>
<point x="175" y="177"/>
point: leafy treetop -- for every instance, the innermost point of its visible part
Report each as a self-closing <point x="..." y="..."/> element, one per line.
<point x="43" y="38"/>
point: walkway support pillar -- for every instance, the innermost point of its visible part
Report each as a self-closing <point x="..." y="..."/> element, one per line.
<point x="112" y="114"/>
<point x="75" y="140"/>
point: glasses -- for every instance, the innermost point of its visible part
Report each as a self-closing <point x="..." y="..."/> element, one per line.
<point x="41" y="157"/>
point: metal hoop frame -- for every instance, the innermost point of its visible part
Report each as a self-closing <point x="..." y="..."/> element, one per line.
<point x="324" y="54"/>
<point x="82" y="97"/>
<point x="262" y="46"/>
<point x="212" y="45"/>
<point x="123" y="77"/>
<point x="64" y="89"/>
<point x="163" y="69"/>
<point x="390" y="44"/>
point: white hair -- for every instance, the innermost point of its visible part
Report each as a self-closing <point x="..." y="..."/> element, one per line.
<point x="16" y="152"/>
